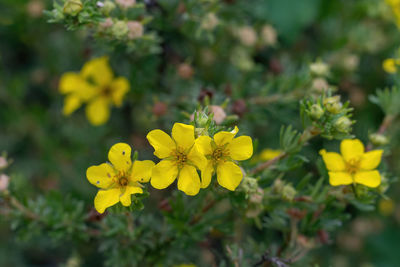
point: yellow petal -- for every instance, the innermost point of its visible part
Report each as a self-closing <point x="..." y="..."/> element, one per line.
<point x="126" y="199"/>
<point x="203" y="144"/>
<point x="197" y="158"/>
<point x="267" y="154"/>
<point x="71" y="103"/>
<point x="206" y="175"/>
<point x="223" y="137"/>
<point x="183" y="134"/>
<point x="98" y="71"/>
<point x="106" y="198"/>
<point x="164" y="174"/>
<point x="368" y="178"/>
<point x="189" y="180"/>
<point x="119" y="87"/>
<point x="69" y="82"/>
<point x="333" y="161"/>
<point x="141" y="170"/>
<point x="98" y="111"/>
<point x="100" y="175"/>
<point x="229" y="175"/>
<point x="241" y="148"/>
<point x="351" y="149"/>
<point x="389" y="65"/>
<point x="161" y="142"/>
<point x="371" y="160"/>
<point x="120" y="156"/>
<point x="340" y="178"/>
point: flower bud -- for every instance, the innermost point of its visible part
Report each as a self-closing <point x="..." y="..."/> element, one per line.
<point x="3" y="163"/>
<point x="333" y="104"/>
<point x="185" y="71"/>
<point x="239" y="107"/>
<point x="249" y="185"/>
<point x="126" y="3"/>
<point x="268" y="35"/>
<point x="135" y="29"/>
<point x="319" y="68"/>
<point x="320" y="85"/>
<point x="278" y="186"/>
<point x="378" y="139"/>
<point x="4" y="181"/>
<point x="343" y="124"/>
<point x="120" y="29"/>
<point x="209" y="22"/>
<point x="72" y="7"/>
<point x="247" y="35"/>
<point x="288" y="192"/>
<point x="107" y="7"/>
<point x="159" y="109"/>
<point x="219" y="114"/>
<point x="316" y="111"/>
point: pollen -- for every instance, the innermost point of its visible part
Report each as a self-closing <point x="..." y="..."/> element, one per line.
<point x="180" y="157"/>
<point x="352" y="166"/>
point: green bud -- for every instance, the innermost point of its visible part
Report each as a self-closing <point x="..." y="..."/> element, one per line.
<point x="120" y="29"/>
<point x="72" y="7"/>
<point x="288" y="192"/>
<point x="278" y="186"/>
<point x="378" y="139"/>
<point x="316" y="111"/>
<point x="201" y="119"/>
<point x="333" y="104"/>
<point x="108" y="7"/>
<point x="343" y="124"/>
<point x="249" y="184"/>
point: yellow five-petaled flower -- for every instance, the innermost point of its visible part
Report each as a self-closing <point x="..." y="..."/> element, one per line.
<point x="120" y="179"/>
<point x="354" y="165"/>
<point x="180" y="158"/>
<point x="95" y="85"/>
<point x="221" y="152"/>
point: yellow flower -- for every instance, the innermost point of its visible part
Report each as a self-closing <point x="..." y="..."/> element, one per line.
<point x="268" y="154"/>
<point x="95" y="85"/>
<point x="390" y="65"/>
<point x="120" y="179"/>
<point x="179" y="159"/>
<point x="221" y="152"/>
<point x="354" y="165"/>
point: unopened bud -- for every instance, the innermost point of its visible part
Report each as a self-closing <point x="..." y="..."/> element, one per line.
<point x="319" y="68"/>
<point x="268" y="35"/>
<point x="159" y="109"/>
<point x="4" y="181"/>
<point x="219" y="114"/>
<point x="120" y="29"/>
<point x="3" y="163"/>
<point x="209" y="22"/>
<point x="316" y="111"/>
<point x="72" y="7"/>
<point x="333" y="104"/>
<point x="135" y="29"/>
<point x="343" y="124"/>
<point x="378" y="139"/>
<point x="107" y="7"/>
<point x="288" y="192"/>
<point x="278" y="186"/>
<point x="185" y="71"/>
<point x="126" y="3"/>
<point x="249" y="184"/>
<point x="247" y="35"/>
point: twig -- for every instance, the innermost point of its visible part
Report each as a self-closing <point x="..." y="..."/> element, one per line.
<point x="386" y="123"/>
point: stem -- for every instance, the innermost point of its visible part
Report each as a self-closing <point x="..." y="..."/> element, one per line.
<point x="386" y="123"/>
<point x="353" y="186"/>
<point x="19" y="206"/>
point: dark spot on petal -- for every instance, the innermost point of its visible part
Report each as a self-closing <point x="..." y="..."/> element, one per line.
<point x="127" y="162"/>
<point x="109" y="176"/>
<point x="123" y="152"/>
<point x="98" y="182"/>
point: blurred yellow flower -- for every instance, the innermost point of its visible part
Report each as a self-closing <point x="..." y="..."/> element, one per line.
<point x="390" y="65"/>
<point x="386" y="207"/>
<point x="221" y="152"/>
<point x="96" y="86"/>
<point x="267" y="154"/>
<point x="120" y="178"/>
<point x="353" y="165"/>
<point x="179" y="159"/>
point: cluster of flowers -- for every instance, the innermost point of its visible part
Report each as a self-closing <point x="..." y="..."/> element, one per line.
<point x="181" y="155"/>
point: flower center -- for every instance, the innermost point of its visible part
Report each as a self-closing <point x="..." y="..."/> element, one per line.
<point x="180" y="157"/>
<point x="352" y="166"/>
<point x="106" y="91"/>
<point x="219" y="154"/>
<point x="123" y="181"/>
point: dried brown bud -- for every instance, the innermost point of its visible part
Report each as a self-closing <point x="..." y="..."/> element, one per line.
<point x="159" y="109"/>
<point x="275" y="66"/>
<point x="185" y="71"/>
<point x="239" y="107"/>
<point x="205" y="93"/>
<point x="164" y="205"/>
